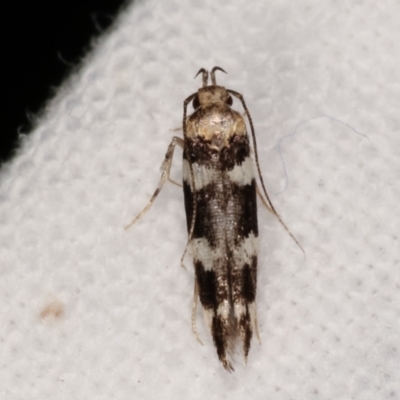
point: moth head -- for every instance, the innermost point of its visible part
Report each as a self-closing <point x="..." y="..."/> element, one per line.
<point x="211" y="94"/>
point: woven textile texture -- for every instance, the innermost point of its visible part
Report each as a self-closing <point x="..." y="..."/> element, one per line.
<point x="93" y="311"/>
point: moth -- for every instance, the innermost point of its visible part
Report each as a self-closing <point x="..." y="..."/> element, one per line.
<point x="220" y="193"/>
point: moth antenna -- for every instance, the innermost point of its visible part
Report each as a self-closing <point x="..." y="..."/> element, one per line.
<point x="205" y="76"/>
<point x="213" y="80"/>
<point x="253" y="135"/>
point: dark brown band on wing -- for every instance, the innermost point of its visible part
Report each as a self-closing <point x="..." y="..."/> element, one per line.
<point x="244" y="282"/>
<point x="207" y="285"/>
<point x="236" y="205"/>
<point x="212" y="291"/>
<point x="246" y="331"/>
<point x="199" y="151"/>
<point x="220" y="333"/>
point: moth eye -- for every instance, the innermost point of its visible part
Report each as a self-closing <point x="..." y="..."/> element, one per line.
<point x="196" y="103"/>
<point x="229" y="100"/>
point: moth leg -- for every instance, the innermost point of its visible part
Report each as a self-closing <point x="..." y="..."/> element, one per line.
<point x="165" y="168"/>
<point x="183" y="256"/>
<point x="256" y="327"/>
<point x="185" y="103"/>
<point x="180" y="129"/>
<point x="266" y="205"/>
<point x="175" y="183"/>
<point x="271" y="209"/>
<point x="266" y="199"/>
<point x="194" y="309"/>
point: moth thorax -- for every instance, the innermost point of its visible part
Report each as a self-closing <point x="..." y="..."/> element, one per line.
<point x="216" y="127"/>
<point x="212" y="95"/>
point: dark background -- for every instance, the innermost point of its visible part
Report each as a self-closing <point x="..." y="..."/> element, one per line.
<point x="43" y="41"/>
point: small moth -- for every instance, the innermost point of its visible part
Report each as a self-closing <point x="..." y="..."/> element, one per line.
<point x="220" y="193"/>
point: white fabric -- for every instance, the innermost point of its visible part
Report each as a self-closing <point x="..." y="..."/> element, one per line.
<point x="321" y="79"/>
